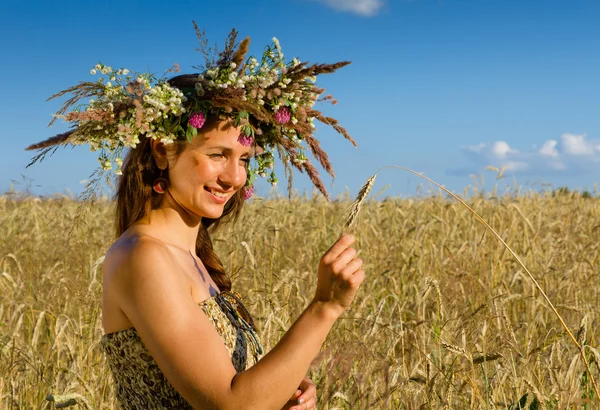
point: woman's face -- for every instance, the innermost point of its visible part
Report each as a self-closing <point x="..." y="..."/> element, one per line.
<point x="210" y="170"/>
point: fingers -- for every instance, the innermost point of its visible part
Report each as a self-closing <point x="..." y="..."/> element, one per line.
<point x="307" y="400"/>
<point x="343" y="260"/>
<point x="309" y="404"/>
<point x="338" y="247"/>
<point x="308" y="390"/>
<point x="351" y="268"/>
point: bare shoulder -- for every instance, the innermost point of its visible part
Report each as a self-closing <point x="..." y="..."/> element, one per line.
<point x="136" y="267"/>
<point x="133" y="255"/>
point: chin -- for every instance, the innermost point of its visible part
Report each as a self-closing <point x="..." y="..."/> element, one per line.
<point x="211" y="213"/>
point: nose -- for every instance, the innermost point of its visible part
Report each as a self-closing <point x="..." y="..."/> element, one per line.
<point x="233" y="174"/>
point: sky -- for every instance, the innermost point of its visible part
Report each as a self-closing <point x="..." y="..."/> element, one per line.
<point x="448" y="88"/>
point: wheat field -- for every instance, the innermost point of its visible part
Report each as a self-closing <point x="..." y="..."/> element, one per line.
<point x="446" y="318"/>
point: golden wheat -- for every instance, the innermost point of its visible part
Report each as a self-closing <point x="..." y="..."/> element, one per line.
<point x="482" y="338"/>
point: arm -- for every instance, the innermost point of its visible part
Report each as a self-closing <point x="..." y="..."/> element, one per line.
<point x="191" y="353"/>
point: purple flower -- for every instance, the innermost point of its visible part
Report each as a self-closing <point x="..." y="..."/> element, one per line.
<point x="283" y="115"/>
<point x="197" y="119"/>
<point x="247" y="191"/>
<point x="245" y="140"/>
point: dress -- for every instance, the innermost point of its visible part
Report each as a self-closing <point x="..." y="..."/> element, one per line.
<point x="140" y="384"/>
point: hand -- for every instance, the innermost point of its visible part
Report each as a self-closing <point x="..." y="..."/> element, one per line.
<point x="305" y="397"/>
<point x="340" y="275"/>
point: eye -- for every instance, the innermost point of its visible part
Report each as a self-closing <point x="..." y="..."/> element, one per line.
<point x="245" y="161"/>
<point x="216" y="155"/>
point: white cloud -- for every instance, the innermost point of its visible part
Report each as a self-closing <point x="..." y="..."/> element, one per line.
<point x="572" y="153"/>
<point x="577" y="144"/>
<point x="475" y="148"/>
<point x="501" y="149"/>
<point x="516" y="166"/>
<point x="365" y="8"/>
<point x="549" y="149"/>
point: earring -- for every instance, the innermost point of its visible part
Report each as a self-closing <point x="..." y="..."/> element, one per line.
<point x="160" y="183"/>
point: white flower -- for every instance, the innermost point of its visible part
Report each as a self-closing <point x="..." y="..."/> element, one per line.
<point x="108" y="84"/>
<point x="125" y="71"/>
<point x="98" y="67"/>
<point x="93" y="71"/>
<point x="233" y="65"/>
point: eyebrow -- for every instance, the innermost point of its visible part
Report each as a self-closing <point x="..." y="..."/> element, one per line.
<point x="227" y="150"/>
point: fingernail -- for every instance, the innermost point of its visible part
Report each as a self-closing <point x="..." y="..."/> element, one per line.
<point x="300" y="401"/>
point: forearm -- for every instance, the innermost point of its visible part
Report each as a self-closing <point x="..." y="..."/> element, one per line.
<point x="272" y="381"/>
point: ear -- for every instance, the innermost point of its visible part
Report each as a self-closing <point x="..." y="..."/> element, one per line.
<point x="159" y="153"/>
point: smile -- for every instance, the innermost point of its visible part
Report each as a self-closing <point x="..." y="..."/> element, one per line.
<point x="218" y="194"/>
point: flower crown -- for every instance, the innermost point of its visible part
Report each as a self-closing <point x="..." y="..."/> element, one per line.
<point x="270" y="100"/>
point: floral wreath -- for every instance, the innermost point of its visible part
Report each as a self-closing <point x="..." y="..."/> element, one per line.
<point x="270" y="100"/>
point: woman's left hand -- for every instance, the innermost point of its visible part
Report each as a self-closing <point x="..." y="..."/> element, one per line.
<point x="305" y="397"/>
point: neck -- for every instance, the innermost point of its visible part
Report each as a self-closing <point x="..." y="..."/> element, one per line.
<point x="174" y="225"/>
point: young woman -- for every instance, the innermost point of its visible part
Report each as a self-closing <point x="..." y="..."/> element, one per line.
<point x="176" y="335"/>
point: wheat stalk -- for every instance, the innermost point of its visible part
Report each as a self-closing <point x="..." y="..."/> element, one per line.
<point x="355" y="209"/>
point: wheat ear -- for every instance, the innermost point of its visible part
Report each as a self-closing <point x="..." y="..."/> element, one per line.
<point x="355" y="207"/>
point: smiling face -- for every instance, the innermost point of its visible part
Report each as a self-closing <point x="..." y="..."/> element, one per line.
<point x="209" y="171"/>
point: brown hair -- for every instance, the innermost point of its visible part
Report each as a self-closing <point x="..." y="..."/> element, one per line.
<point x="135" y="198"/>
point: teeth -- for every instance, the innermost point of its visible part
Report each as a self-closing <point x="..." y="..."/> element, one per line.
<point x="219" y="194"/>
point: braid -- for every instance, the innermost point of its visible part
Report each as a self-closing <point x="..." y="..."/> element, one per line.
<point x="206" y="253"/>
<point x="204" y="246"/>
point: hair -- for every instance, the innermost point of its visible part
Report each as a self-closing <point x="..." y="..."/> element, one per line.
<point x="135" y="198"/>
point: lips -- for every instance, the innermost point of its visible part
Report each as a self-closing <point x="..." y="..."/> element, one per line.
<point x="220" y="194"/>
<point x="217" y="194"/>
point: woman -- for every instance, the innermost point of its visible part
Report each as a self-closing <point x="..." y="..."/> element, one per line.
<point x="175" y="334"/>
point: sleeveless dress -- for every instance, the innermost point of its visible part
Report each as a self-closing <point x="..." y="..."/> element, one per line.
<point x="140" y="384"/>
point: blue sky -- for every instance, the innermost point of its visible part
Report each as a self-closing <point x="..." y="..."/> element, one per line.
<point x="445" y="87"/>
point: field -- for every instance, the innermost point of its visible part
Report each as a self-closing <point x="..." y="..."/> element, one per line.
<point x="445" y="319"/>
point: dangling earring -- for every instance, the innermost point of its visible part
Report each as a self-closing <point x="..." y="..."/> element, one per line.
<point x="160" y="183"/>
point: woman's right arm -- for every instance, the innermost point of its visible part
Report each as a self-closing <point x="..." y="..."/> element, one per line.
<point x="190" y="352"/>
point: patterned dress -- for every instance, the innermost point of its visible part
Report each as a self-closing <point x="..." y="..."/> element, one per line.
<point x="139" y="382"/>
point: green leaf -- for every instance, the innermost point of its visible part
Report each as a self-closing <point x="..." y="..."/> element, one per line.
<point x="190" y="133"/>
